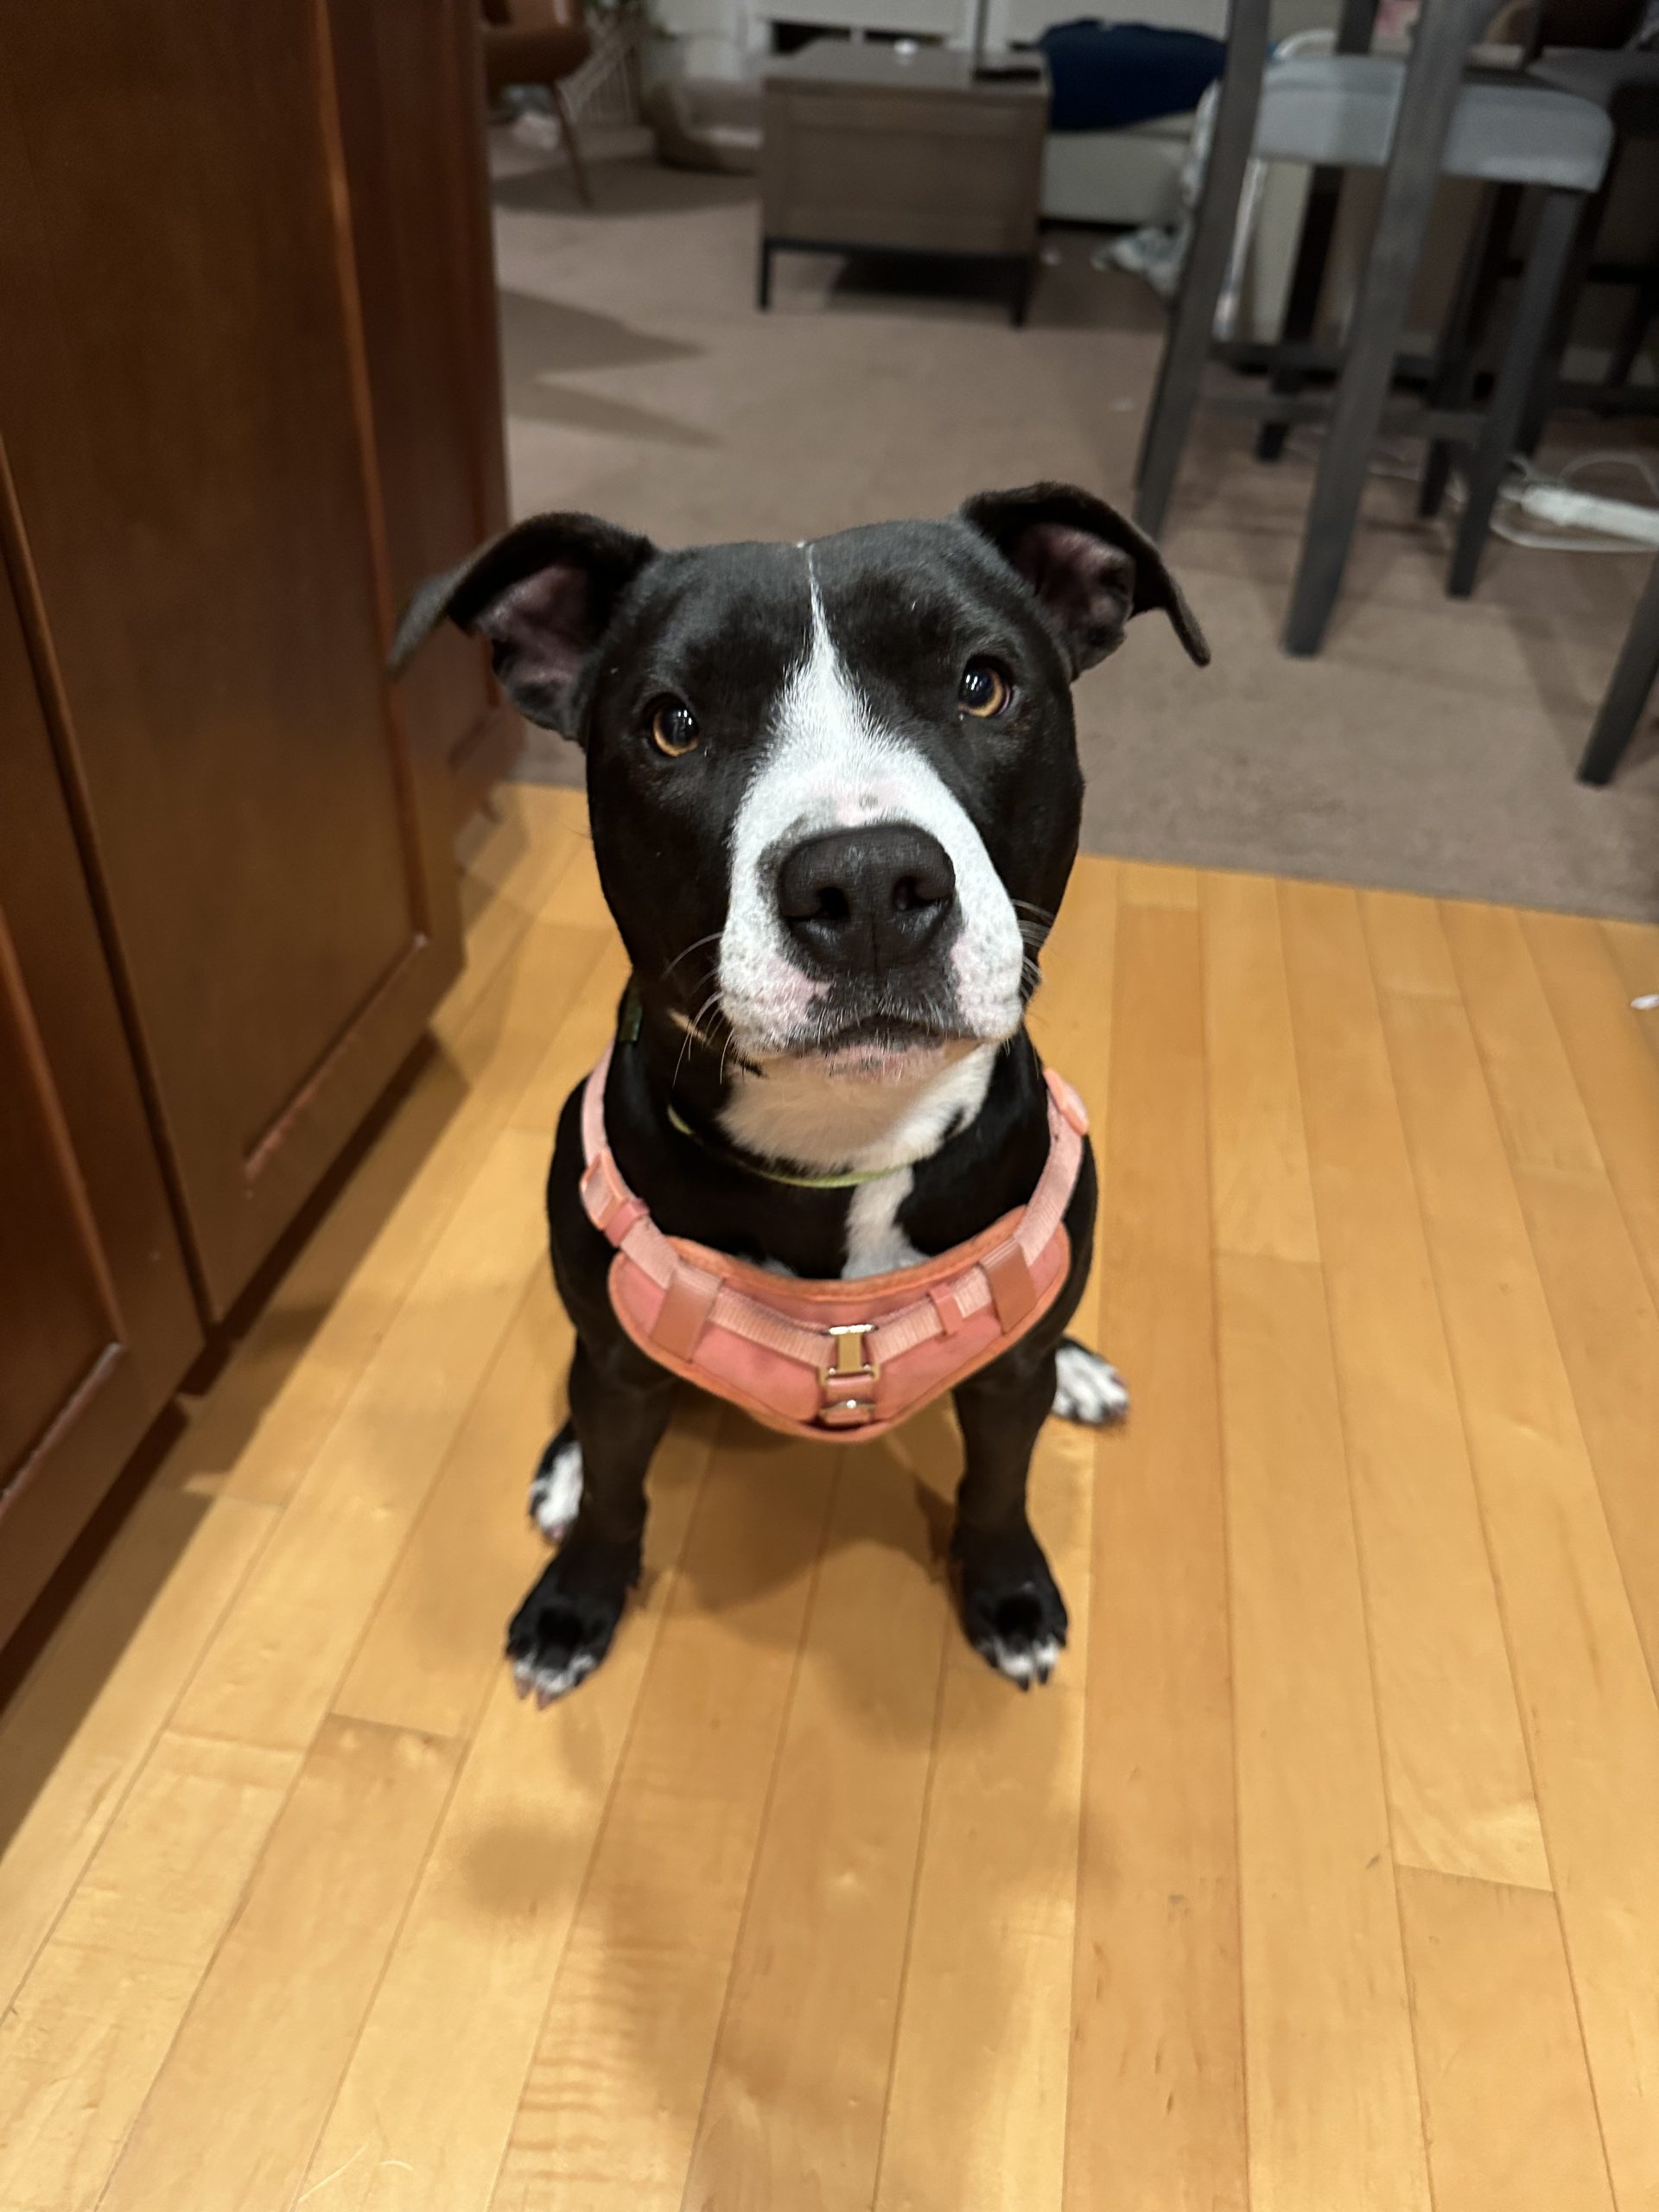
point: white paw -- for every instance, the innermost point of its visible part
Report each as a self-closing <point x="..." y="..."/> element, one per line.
<point x="551" y="1682"/>
<point x="554" y="1494"/>
<point x="1021" y="1660"/>
<point x="1088" y="1388"/>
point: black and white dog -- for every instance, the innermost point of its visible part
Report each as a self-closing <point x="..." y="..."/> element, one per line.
<point x="834" y="798"/>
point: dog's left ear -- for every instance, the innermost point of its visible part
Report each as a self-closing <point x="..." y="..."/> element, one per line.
<point x="1088" y="564"/>
<point x="543" y="595"/>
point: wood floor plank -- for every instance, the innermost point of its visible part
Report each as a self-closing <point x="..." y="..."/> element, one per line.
<point x="1618" y="1077"/>
<point x="1601" y="1301"/>
<point x="264" y="1428"/>
<point x="798" y="2083"/>
<point x="610" y="2110"/>
<point x="1506" y="2092"/>
<point x="96" y="2015"/>
<point x="1408" y="945"/>
<point x="1608" y="1331"/>
<point x="276" y="2014"/>
<point x="1539" y="1108"/>
<point x="427" y="2101"/>
<point x="434" y="1644"/>
<point x="1461" y="1795"/>
<point x="81" y="1726"/>
<point x="977" y="2110"/>
<point x="1141" y="883"/>
<point x="1334" y="2117"/>
<point x="513" y="867"/>
<point x="577" y="896"/>
<point x="1577" y="1660"/>
<point x="1156" y="2113"/>
<point x="274" y="1666"/>
<point x="1634" y="948"/>
<point x="1261" y="1200"/>
<point x="578" y="1044"/>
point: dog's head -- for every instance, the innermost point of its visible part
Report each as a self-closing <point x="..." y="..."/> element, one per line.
<point x="834" y="787"/>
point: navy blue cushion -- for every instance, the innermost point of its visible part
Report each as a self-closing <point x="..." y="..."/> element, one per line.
<point x="1107" y="75"/>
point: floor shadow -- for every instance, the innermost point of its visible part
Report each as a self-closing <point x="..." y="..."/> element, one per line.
<point x="541" y="336"/>
<point x="877" y="282"/>
<point x="621" y="189"/>
<point x="545" y="399"/>
<point x="545" y="340"/>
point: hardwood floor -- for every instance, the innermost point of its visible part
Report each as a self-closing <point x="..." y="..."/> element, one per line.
<point x="1324" y="1879"/>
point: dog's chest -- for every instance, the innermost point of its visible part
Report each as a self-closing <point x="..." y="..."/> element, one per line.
<point x="871" y="1134"/>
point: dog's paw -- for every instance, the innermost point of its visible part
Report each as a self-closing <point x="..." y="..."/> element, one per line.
<point x="1087" y="1389"/>
<point x="1012" y="1609"/>
<point x="564" y="1628"/>
<point x="555" y="1486"/>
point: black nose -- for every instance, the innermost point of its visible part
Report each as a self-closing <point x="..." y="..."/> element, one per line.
<point x="866" y="900"/>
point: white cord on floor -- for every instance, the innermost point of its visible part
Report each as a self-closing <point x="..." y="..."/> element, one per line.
<point x="1394" y="463"/>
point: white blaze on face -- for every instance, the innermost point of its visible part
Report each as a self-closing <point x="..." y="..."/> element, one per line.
<point x="830" y="766"/>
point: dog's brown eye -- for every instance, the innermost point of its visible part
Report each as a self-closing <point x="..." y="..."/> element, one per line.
<point x="984" y="690"/>
<point x="673" y="728"/>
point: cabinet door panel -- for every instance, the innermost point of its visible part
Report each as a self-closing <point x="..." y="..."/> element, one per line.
<point x="192" y="443"/>
<point x="97" y="1322"/>
<point x="412" y="99"/>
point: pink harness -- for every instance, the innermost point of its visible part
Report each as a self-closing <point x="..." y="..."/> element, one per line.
<point x="830" y="1360"/>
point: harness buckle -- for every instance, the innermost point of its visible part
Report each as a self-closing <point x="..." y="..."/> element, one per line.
<point x="849" y="1379"/>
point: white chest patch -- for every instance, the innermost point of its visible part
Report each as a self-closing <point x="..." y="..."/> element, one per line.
<point x="794" y="1113"/>
<point x="875" y="1243"/>
<point x="836" y="1125"/>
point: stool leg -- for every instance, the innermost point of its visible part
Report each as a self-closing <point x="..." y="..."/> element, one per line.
<point x="1186" y="349"/>
<point x="1302" y="305"/>
<point x="1627" y="695"/>
<point x="1445" y="32"/>
<point x="1540" y="286"/>
<point x="1355" y="26"/>
<point x="1551" y="356"/>
<point x="1644" y="298"/>
<point x="1479" y="283"/>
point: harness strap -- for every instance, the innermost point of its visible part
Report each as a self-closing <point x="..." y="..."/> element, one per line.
<point x="694" y="1296"/>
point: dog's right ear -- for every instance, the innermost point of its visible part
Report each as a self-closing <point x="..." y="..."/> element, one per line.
<point x="543" y="595"/>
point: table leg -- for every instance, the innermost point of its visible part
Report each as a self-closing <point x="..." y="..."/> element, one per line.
<point x="1446" y="31"/>
<point x="1025" y="280"/>
<point x="763" y="281"/>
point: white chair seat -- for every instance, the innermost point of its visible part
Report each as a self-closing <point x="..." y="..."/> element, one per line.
<point x="1337" y="110"/>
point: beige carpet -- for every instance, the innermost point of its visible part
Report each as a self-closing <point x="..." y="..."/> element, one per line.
<point x="1431" y="746"/>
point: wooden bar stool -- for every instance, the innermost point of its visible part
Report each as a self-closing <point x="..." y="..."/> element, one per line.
<point x="1419" y="121"/>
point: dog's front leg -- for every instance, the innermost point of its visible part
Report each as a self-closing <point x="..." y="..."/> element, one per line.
<point x="1012" y="1609"/>
<point x="595" y="1467"/>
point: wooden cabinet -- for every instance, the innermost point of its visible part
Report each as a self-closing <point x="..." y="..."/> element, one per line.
<point x="97" y="1321"/>
<point x="248" y="396"/>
